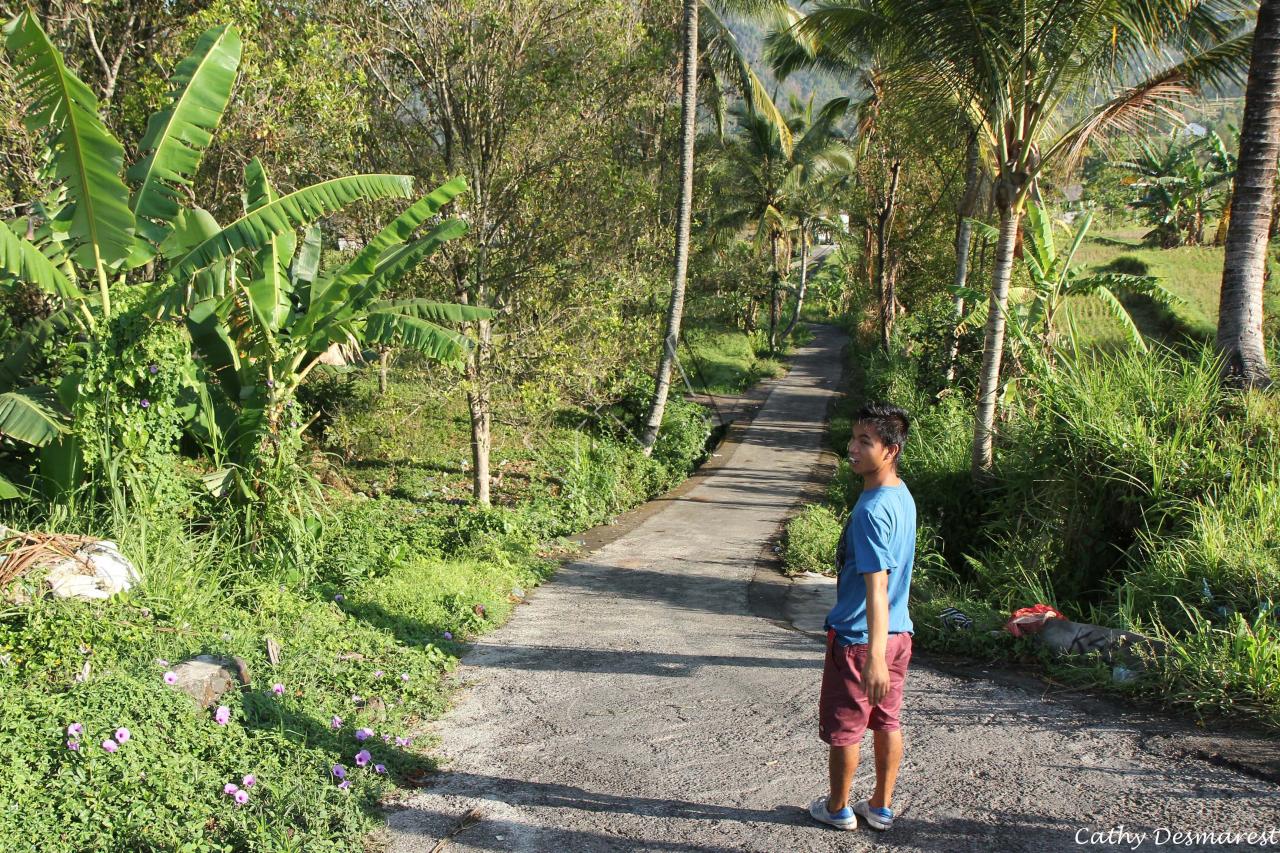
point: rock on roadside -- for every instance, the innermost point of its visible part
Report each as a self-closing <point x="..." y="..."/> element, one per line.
<point x="206" y="678"/>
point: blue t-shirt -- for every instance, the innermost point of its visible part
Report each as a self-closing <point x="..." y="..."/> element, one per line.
<point x="880" y="535"/>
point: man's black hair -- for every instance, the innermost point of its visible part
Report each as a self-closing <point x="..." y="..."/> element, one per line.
<point x="890" y="423"/>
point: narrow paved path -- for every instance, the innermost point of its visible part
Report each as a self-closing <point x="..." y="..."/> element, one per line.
<point x="637" y="704"/>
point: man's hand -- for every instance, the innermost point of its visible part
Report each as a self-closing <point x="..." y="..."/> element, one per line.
<point x="875" y="679"/>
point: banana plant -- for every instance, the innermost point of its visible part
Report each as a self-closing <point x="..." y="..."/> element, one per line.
<point x="1040" y="308"/>
<point x="267" y="326"/>
<point x="101" y="227"/>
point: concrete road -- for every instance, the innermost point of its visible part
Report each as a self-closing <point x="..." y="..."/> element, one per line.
<point x="638" y="702"/>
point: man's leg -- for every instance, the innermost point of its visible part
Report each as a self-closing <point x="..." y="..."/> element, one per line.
<point x="842" y="764"/>
<point x="888" y="746"/>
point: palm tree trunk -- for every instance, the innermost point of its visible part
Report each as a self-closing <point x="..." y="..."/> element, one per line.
<point x="993" y="349"/>
<point x="384" y="359"/>
<point x="964" y="238"/>
<point x="804" y="279"/>
<point x="480" y="410"/>
<point x="675" y="310"/>
<point x="1239" y="337"/>
<point x="884" y="284"/>
<point x="775" y="293"/>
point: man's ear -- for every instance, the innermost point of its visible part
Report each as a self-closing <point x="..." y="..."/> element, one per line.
<point x="896" y="451"/>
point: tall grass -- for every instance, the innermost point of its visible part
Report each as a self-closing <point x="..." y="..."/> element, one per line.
<point x="1130" y="490"/>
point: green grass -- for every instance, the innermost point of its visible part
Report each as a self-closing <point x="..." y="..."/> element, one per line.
<point x="372" y="599"/>
<point x="727" y="361"/>
<point x="163" y="788"/>
<point x="1192" y="273"/>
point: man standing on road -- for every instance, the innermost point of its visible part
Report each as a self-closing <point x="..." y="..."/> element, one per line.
<point x="869" y="629"/>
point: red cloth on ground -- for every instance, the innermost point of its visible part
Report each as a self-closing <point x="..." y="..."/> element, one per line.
<point x="1029" y="620"/>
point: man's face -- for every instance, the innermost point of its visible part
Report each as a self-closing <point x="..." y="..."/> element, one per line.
<point x="867" y="453"/>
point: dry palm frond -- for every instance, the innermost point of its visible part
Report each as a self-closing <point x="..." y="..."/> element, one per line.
<point x="1131" y="112"/>
<point x="22" y="552"/>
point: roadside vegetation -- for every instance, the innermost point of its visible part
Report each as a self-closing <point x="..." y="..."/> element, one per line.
<point x="343" y="329"/>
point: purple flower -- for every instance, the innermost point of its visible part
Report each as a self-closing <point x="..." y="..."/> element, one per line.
<point x="404" y="676"/>
<point x="109" y="745"/>
<point x="336" y="722"/>
<point x="363" y="757"/>
<point x="448" y="635"/>
<point x="145" y="403"/>
<point x="339" y="771"/>
<point x="364" y="734"/>
<point x="386" y="738"/>
<point x="377" y="673"/>
<point x="230" y="788"/>
<point x="75" y="729"/>
<point x="241" y="797"/>
<point x="277" y="689"/>
<point x="339" y="597"/>
<point x="271" y="383"/>
<point x="402" y="741"/>
<point x="249" y="780"/>
<point x="155" y="368"/>
<point x="222" y="716"/>
<point x="346" y="783"/>
<point x="73" y="745"/>
<point x="357" y="699"/>
<point x="379" y="768"/>
<point x="123" y="735"/>
<point x="171" y="677"/>
<point x="162" y="662"/>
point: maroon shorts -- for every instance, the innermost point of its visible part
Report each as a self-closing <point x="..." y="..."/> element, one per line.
<point x="844" y="712"/>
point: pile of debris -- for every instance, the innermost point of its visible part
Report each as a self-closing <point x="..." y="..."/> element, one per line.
<point x="73" y="566"/>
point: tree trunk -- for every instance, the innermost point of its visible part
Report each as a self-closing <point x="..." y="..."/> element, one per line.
<point x="688" y="127"/>
<point x="478" y="407"/>
<point x="884" y="284"/>
<point x="993" y="349"/>
<point x="804" y="280"/>
<point x="384" y="359"/>
<point x="775" y="293"/>
<point x="1239" y="337"/>
<point x="869" y="255"/>
<point x="964" y="235"/>
<point x="1220" y="233"/>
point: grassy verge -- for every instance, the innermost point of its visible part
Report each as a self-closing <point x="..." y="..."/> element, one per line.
<point x="1131" y="492"/>
<point x="367" y="594"/>
<point x="725" y="361"/>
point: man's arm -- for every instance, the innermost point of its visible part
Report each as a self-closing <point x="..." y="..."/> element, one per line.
<point x="875" y="674"/>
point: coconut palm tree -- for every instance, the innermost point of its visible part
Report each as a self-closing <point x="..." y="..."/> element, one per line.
<point x="872" y="69"/>
<point x="1240" y="303"/>
<point x="1038" y="80"/>
<point x="704" y="28"/>
<point x="767" y="188"/>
